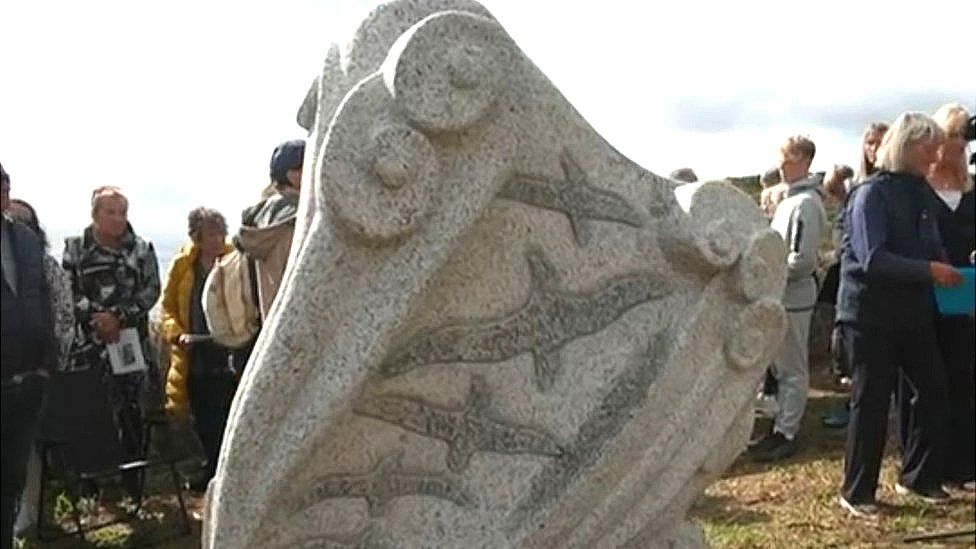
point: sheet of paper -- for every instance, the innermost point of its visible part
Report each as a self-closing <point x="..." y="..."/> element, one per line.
<point x="126" y="355"/>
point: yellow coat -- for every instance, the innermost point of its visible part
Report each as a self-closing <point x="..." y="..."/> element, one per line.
<point x="176" y="322"/>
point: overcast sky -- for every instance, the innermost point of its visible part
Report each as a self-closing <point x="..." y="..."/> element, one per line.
<point x="181" y="102"/>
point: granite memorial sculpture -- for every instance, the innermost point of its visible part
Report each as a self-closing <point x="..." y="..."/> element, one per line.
<point x="494" y="329"/>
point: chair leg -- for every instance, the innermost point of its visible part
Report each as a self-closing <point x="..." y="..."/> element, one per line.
<point x="40" y="494"/>
<point x="141" y="483"/>
<point x="147" y="430"/>
<point x="177" y="485"/>
<point x="76" y="512"/>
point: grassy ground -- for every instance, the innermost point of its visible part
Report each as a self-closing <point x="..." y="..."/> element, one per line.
<point x="793" y="504"/>
<point x="789" y="505"/>
<point x="156" y="524"/>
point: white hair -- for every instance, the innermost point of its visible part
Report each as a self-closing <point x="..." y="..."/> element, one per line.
<point x="908" y="130"/>
<point x="104" y="192"/>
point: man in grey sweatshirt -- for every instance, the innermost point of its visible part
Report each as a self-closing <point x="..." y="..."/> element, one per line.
<point x="800" y="219"/>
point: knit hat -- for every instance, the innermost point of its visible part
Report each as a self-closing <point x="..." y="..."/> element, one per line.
<point x="287" y="156"/>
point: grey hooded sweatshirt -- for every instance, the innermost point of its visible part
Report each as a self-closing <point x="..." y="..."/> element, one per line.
<point x="265" y="236"/>
<point x="801" y="220"/>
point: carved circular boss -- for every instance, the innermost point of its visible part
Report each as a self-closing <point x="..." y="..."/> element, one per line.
<point x="442" y="76"/>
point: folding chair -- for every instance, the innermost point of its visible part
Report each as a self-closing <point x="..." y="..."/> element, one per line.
<point x="79" y="443"/>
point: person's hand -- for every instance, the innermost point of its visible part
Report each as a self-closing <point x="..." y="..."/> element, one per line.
<point x="184" y="341"/>
<point x="944" y="275"/>
<point x="107" y="325"/>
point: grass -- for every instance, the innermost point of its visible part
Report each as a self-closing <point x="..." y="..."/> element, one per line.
<point x="787" y="505"/>
<point x="157" y="523"/>
<point x="793" y="504"/>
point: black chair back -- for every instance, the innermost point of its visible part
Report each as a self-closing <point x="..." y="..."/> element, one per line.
<point x="79" y="417"/>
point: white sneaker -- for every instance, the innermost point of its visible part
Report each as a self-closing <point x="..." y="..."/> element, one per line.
<point x="969" y="486"/>
<point x="766" y="406"/>
<point x="859" y="510"/>
<point x="934" y="496"/>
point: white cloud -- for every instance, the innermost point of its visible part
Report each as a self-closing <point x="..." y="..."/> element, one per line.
<point x="181" y="102"/>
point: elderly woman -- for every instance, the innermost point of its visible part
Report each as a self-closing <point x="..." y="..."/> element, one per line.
<point x="956" y="212"/>
<point x="201" y="378"/>
<point x="888" y="267"/>
<point x="114" y="282"/>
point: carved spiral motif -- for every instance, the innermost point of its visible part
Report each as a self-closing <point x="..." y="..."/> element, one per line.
<point x="760" y="273"/>
<point x="717" y="244"/>
<point x="759" y="328"/>
<point x="388" y="192"/>
<point x="400" y="155"/>
<point x="450" y="92"/>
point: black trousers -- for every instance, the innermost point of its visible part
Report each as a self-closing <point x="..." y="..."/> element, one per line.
<point x="840" y="359"/>
<point x="22" y="404"/>
<point x="210" y="399"/>
<point x="877" y="355"/>
<point x="955" y="337"/>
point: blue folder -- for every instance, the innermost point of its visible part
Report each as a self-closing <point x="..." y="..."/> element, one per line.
<point x="960" y="300"/>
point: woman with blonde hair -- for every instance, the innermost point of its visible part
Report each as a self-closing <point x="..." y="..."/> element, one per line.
<point x="892" y="258"/>
<point x="870" y="141"/>
<point x="956" y="214"/>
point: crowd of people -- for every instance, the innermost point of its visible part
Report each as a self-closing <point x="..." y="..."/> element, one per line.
<point x="90" y="313"/>
<point x="905" y="224"/>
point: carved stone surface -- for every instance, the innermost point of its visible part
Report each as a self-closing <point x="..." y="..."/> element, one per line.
<point x="468" y="430"/>
<point x="381" y="484"/>
<point x="549" y="319"/>
<point x="576" y="198"/>
<point x="601" y="425"/>
<point x="494" y="330"/>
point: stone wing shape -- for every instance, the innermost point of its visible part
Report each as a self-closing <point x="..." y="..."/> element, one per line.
<point x="494" y="330"/>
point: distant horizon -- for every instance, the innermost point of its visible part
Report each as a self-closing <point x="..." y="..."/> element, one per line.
<point x="167" y="243"/>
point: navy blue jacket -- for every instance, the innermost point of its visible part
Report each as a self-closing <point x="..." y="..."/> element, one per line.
<point x="28" y="341"/>
<point x="891" y="235"/>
